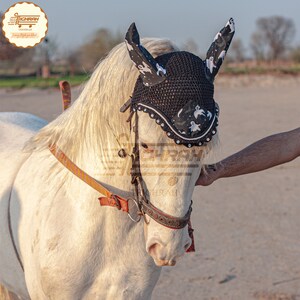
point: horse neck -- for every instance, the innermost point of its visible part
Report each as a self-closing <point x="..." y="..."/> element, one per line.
<point x="98" y="136"/>
<point x="92" y="136"/>
<point x="121" y="233"/>
<point x="106" y="166"/>
<point x="113" y="175"/>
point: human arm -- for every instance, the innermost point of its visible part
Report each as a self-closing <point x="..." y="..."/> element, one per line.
<point x="263" y="154"/>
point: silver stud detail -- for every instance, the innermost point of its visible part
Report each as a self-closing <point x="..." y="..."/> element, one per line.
<point x="213" y="132"/>
<point x="152" y="115"/>
<point x="145" y="109"/>
<point x="200" y="144"/>
<point x="177" y="142"/>
<point x="157" y="121"/>
<point x="208" y="139"/>
<point x="168" y="134"/>
<point x="162" y="124"/>
<point x="189" y="145"/>
<point x="139" y="108"/>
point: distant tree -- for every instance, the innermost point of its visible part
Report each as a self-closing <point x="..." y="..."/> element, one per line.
<point x="7" y="50"/>
<point x="24" y="61"/>
<point x="46" y="54"/>
<point x="17" y="58"/>
<point x="47" y="51"/>
<point x="273" y="37"/>
<point x="98" y="46"/>
<point x="73" y="63"/>
<point x="237" y="51"/>
<point x="258" y="46"/>
<point x="295" y="55"/>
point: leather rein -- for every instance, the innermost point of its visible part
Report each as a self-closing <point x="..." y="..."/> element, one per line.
<point x="142" y="204"/>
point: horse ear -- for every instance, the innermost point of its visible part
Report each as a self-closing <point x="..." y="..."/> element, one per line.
<point x="152" y="73"/>
<point x="217" y="51"/>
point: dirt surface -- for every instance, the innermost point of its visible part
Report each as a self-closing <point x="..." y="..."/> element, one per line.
<point x="247" y="229"/>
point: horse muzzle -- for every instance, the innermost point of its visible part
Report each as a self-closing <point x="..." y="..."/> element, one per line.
<point x="166" y="255"/>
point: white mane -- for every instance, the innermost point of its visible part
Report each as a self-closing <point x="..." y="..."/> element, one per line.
<point x="94" y="118"/>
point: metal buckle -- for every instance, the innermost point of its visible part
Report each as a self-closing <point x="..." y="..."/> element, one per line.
<point x="138" y="212"/>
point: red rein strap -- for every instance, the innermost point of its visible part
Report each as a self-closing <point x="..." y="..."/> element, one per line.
<point x="191" y="234"/>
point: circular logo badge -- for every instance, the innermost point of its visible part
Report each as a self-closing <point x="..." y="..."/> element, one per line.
<point x="25" y="24"/>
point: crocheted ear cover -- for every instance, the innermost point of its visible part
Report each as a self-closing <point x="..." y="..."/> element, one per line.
<point x="176" y="89"/>
<point x="182" y="104"/>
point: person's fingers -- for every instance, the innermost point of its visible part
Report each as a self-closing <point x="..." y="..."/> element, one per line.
<point x="203" y="179"/>
<point x="206" y="176"/>
<point x="200" y="181"/>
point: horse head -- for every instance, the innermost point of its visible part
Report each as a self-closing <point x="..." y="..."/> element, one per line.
<point x="171" y="137"/>
<point x="173" y="119"/>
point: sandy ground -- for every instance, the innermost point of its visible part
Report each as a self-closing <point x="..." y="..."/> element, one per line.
<point x="247" y="229"/>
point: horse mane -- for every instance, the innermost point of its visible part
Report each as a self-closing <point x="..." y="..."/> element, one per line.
<point x="94" y="118"/>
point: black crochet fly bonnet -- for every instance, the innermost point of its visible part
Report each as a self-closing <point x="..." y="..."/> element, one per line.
<point x="176" y="89"/>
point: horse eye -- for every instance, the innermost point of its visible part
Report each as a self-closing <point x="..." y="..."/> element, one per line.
<point x="144" y="145"/>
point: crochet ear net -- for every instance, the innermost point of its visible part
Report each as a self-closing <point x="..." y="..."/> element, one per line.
<point x="218" y="49"/>
<point x="176" y="89"/>
<point x="151" y="72"/>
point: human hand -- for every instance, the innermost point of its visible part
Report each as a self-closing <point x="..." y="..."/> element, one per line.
<point x="208" y="175"/>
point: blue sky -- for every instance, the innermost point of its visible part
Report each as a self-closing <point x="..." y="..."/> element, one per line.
<point x="72" y="22"/>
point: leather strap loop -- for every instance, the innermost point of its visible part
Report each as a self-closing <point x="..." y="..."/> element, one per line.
<point x="65" y="89"/>
<point x="120" y="204"/>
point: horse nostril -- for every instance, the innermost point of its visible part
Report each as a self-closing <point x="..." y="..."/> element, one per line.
<point x="187" y="245"/>
<point x="172" y="263"/>
<point x="153" y="249"/>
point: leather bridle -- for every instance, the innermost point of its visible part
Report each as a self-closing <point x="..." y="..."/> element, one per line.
<point x="145" y="207"/>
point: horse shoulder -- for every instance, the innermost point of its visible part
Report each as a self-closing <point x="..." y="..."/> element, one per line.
<point x="15" y="130"/>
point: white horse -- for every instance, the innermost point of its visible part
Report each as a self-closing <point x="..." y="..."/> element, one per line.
<point x="51" y="222"/>
<point x="72" y="248"/>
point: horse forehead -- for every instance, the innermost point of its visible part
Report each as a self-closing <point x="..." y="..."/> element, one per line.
<point x="149" y="131"/>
